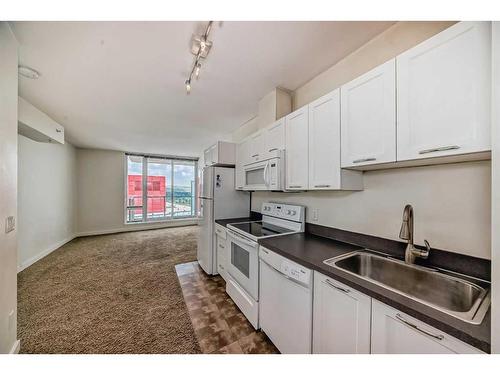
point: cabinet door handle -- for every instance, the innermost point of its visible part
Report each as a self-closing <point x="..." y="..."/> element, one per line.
<point x="336" y="286"/>
<point x="321" y="186"/>
<point x="221" y="267"/>
<point x="273" y="149"/>
<point x="222" y="247"/>
<point x="403" y="320"/>
<point x="264" y="251"/>
<point x="363" y="160"/>
<point x="295" y="186"/>
<point x="254" y="156"/>
<point x="444" y="148"/>
<point x="58" y="131"/>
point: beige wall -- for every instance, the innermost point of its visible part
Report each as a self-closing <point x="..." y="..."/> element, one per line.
<point x="451" y="202"/>
<point x="8" y="188"/>
<point x="101" y="194"/>
<point x="47" y="197"/>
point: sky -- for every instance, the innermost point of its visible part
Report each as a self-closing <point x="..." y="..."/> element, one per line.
<point x="183" y="174"/>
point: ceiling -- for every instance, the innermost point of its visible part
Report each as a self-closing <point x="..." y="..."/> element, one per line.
<point x="120" y="85"/>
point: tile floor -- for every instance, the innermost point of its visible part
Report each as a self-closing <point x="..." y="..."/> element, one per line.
<point x="219" y="325"/>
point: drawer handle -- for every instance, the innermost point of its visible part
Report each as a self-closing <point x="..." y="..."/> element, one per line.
<point x="444" y="148"/>
<point x="363" y="160"/>
<point x="403" y="320"/>
<point x="321" y="186"/>
<point x="295" y="186"/>
<point x="221" y="267"/>
<point x="254" y="156"/>
<point x="265" y="251"/>
<point x="58" y="131"/>
<point x="273" y="149"/>
<point x="336" y="286"/>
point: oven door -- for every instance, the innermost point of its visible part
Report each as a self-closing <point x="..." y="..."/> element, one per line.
<point x="244" y="262"/>
<point x="256" y="176"/>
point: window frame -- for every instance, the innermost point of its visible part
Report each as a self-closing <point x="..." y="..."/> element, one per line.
<point x="171" y="217"/>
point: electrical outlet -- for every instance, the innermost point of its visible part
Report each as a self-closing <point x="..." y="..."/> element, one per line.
<point x="10" y="224"/>
<point x="315" y="214"/>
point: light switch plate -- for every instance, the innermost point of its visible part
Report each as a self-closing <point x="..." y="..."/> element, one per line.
<point x="10" y="224"/>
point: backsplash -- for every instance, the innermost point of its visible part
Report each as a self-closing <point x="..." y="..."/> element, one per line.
<point x="451" y="203"/>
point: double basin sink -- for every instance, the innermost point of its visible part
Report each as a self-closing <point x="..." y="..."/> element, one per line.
<point x="456" y="295"/>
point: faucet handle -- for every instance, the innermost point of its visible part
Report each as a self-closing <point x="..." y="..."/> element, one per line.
<point x="425" y="253"/>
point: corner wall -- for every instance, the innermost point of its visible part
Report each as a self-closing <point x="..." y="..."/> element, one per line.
<point x="495" y="196"/>
<point x="47" y="198"/>
<point x="8" y="189"/>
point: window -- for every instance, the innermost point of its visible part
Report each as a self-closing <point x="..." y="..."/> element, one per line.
<point x="159" y="188"/>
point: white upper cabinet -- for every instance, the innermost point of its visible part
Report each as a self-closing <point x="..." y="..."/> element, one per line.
<point x="394" y="332"/>
<point x="368" y="114"/>
<point x="324" y="147"/>
<point x="341" y="322"/>
<point x="209" y="155"/>
<point x="443" y="93"/>
<point x="274" y="138"/>
<point x="242" y="158"/>
<point x="221" y="153"/>
<point x="324" y="142"/>
<point x="257" y="147"/>
<point x="296" y="145"/>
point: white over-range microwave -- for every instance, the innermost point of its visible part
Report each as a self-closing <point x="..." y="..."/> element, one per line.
<point x="266" y="174"/>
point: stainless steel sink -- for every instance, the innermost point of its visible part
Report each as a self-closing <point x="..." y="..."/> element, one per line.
<point x="457" y="296"/>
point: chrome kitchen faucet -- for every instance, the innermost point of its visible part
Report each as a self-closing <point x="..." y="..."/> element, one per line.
<point x="406" y="233"/>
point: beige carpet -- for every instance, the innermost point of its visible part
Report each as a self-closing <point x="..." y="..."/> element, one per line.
<point x="115" y="293"/>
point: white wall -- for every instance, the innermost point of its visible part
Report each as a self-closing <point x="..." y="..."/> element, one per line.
<point x="8" y="189"/>
<point x="495" y="209"/>
<point x="101" y="194"/>
<point x="47" y="196"/>
<point x="452" y="202"/>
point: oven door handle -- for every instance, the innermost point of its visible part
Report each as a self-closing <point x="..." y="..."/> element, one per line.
<point x="242" y="239"/>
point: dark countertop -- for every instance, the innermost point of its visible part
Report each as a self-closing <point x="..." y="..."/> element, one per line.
<point x="310" y="251"/>
<point x="254" y="216"/>
<point x="225" y="222"/>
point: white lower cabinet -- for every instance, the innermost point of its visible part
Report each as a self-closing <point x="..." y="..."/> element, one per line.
<point x="346" y="321"/>
<point x="341" y="318"/>
<point x="394" y="332"/>
<point x="220" y="242"/>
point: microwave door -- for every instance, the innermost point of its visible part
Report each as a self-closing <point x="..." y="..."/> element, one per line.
<point x="255" y="176"/>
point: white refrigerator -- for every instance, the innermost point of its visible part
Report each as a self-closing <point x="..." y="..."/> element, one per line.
<point x="218" y="199"/>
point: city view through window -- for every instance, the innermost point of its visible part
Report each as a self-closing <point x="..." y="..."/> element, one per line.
<point x="168" y="191"/>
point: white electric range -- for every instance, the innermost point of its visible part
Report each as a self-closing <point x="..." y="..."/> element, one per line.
<point x="243" y="268"/>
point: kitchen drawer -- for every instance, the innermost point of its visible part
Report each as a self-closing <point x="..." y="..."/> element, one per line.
<point x="220" y="231"/>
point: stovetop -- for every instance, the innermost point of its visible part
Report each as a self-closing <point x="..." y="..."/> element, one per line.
<point x="259" y="229"/>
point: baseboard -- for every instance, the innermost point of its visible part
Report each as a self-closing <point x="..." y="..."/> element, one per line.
<point x="137" y="229"/>
<point x="16" y="347"/>
<point x="132" y="228"/>
<point x="44" y="253"/>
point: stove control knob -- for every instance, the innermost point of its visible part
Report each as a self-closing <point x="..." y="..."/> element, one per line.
<point x="289" y="212"/>
<point x="294" y="212"/>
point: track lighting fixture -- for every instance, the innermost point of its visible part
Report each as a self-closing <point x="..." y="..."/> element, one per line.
<point x="200" y="48"/>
